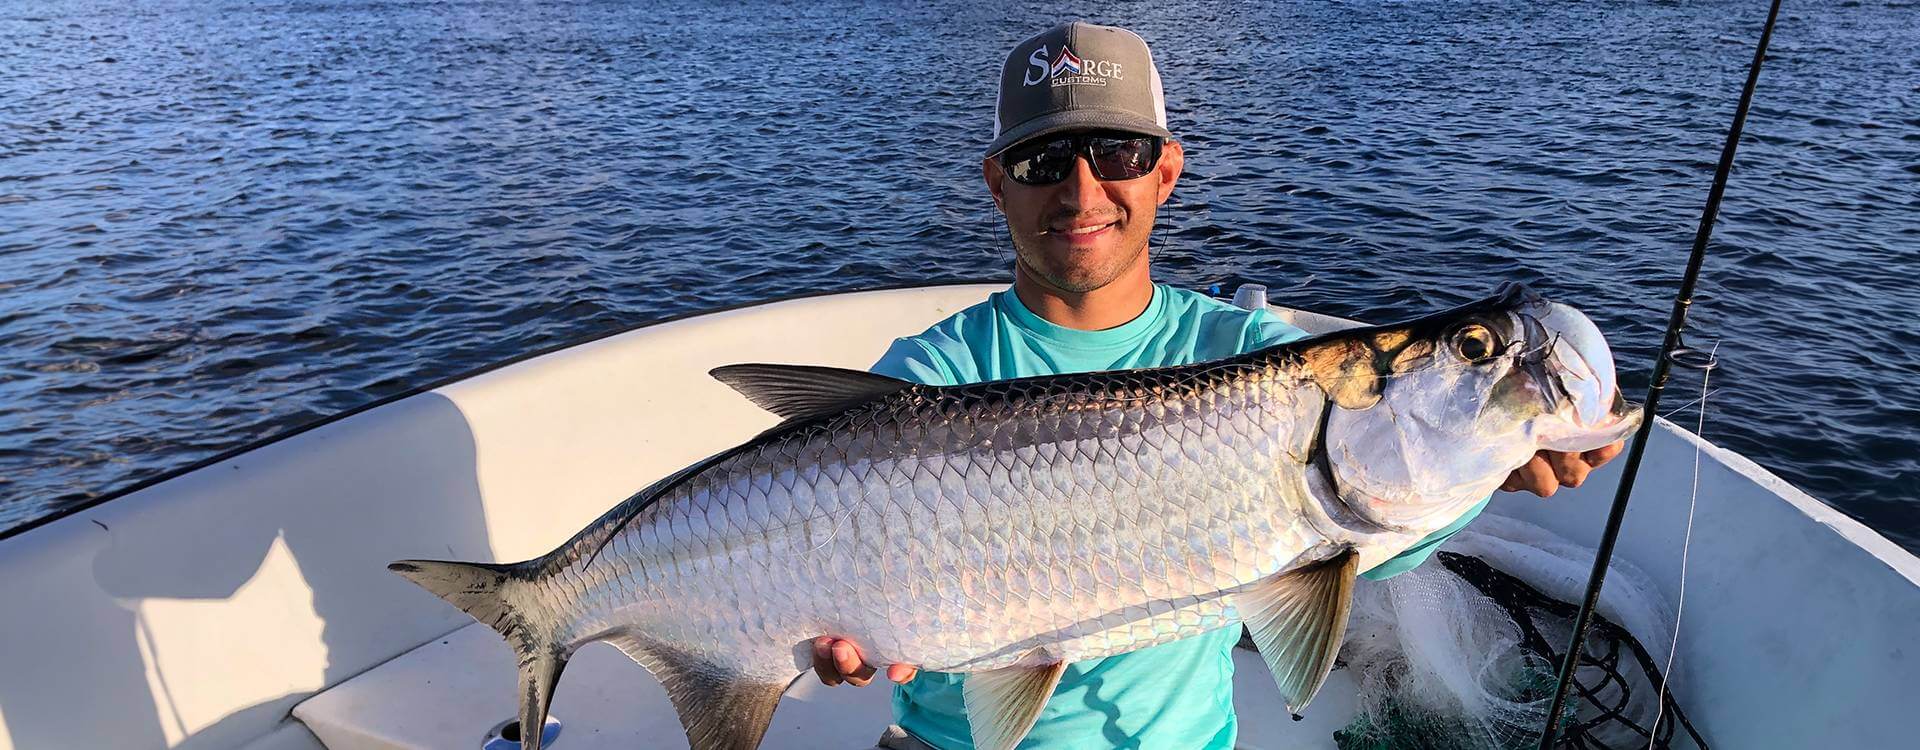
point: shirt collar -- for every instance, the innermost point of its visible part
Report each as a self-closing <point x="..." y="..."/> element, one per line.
<point x="1059" y="335"/>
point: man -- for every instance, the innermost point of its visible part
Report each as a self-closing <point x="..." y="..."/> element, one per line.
<point x="1080" y="162"/>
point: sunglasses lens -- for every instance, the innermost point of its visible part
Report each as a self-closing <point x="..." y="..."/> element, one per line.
<point x="1041" y="163"/>
<point x="1113" y="158"/>
<point x="1123" y="158"/>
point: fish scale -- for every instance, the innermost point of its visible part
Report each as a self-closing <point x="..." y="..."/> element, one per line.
<point x="1006" y="529"/>
<point x="900" y="476"/>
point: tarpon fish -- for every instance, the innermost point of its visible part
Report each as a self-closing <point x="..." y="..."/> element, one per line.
<point x="1005" y="529"/>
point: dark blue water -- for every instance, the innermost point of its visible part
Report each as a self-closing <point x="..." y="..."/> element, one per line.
<point x="219" y="220"/>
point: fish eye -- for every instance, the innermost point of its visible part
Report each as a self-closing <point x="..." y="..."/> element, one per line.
<point x="1475" y="343"/>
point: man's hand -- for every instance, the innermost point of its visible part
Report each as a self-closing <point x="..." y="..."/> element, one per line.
<point x="836" y="660"/>
<point x="1548" y="471"/>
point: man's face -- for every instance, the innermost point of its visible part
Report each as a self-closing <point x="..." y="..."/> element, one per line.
<point x="1082" y="233"/>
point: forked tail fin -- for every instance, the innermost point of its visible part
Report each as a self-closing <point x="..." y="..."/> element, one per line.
<point x="485" y="591"/>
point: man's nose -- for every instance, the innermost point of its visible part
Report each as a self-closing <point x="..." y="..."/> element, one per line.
<point x="1082" y="189"/>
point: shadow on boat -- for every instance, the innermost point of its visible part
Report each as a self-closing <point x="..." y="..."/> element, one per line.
<point x="296" y="533"/>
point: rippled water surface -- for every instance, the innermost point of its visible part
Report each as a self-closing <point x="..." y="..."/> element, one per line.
<point x="219" y="221"/>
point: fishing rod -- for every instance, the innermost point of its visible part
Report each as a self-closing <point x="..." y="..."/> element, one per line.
<point x="1661" y="368"/>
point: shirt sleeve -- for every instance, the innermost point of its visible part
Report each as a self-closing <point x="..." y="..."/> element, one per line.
<point x="1266" y="329"/>
<point x="910" y="360"/>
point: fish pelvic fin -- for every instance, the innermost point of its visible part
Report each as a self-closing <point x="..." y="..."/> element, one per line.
<point x="1003" y="704"/>
<point x="484" y="590"/>
<point x="719" y="708"/>
<point x="1298" y="619"/>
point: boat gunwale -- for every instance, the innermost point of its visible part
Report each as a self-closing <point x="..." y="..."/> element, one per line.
<point x="435" y="385"/>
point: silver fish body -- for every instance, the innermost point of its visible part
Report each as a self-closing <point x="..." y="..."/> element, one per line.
<point x="1010" y="527"/>
<point x="965" y="529"/>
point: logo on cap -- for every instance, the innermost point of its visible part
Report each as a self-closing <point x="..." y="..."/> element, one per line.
<point x="1065" y="63"/>
<point x="1068" y="69"/>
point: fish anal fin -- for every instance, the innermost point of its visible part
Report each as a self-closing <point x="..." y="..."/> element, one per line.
<point x="1298" y="620"/>
<point x="1003" y="704"/>
<point x="805" y="391"/>
<point x="719" y="709"/>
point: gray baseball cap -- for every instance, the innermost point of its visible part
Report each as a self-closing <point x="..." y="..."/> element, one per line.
<point x="1078" y="76"/>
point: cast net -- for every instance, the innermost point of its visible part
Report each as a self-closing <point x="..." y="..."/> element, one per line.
<point x="1463" y="654"/>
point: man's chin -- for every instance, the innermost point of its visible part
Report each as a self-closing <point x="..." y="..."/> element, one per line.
<point x="1076" y="269"/>
<point x="1079" y="280"/>
<point x="1073" y="286"/>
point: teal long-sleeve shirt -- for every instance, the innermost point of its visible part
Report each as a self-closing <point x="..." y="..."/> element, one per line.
<point x="1175" y="695"/>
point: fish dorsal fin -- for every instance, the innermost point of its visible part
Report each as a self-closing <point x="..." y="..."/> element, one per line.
<point x="1298" y="619"/>
<point x="803" y="391"/>
<point x="719" y="711"/>
<point x="1004" y="703"/>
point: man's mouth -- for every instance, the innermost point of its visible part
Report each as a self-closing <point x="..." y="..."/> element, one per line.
<point x="1081" y="230"/>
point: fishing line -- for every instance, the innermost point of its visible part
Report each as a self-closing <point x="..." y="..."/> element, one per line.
<point x="1686" y="541"/>
<point x="1661" y="369"/>
<point x="1683" y="407"/>
<point x="1156" y="234"/>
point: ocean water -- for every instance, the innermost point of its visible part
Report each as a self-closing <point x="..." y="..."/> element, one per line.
<point x="221" y="220"/>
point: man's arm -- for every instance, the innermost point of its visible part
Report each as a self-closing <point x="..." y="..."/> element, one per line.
<point x="914" y="362"/>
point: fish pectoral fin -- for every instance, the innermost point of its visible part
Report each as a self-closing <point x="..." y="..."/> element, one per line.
<point x="803" y="391"/>
<point x="718" y="709"/>
<point x="1298" y="619"/>
<point x="1004" y="703"/>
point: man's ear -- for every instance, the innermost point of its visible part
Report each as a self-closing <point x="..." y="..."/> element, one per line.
<point x="991" y="170"/>
<point x="1173" y="158"/>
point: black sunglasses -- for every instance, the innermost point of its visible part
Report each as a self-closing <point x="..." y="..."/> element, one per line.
<point x="1113" y="156"/>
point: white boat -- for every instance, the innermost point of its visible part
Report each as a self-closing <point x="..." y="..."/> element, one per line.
<point x="244" y="602"/>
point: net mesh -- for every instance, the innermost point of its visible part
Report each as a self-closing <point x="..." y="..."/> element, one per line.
<point x="1464" y="654"/>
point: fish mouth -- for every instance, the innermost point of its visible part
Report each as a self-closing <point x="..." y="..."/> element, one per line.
<point x="1575" y="375"/>
<point x="1621" y="420"/>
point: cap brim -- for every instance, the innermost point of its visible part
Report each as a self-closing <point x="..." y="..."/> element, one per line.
<point x="1076" y="119"/>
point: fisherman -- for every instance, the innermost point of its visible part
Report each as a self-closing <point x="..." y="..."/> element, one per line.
<point x="1080" y="161"/>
